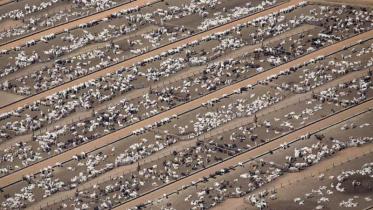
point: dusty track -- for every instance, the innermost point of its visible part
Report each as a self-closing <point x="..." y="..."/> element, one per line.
<point x="322" y="124"/>
<point x="117" y="135"/>
<point x="140" y="58"/>
<point x="4" y="2"/>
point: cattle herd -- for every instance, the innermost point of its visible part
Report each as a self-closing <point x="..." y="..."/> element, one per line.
<point x="186" y="104"/>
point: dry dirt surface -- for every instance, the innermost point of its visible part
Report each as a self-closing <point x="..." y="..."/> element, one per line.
<point x="361" y="3"/>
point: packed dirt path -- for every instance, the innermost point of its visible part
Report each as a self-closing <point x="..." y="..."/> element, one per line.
<point x="3" y="2"/>
<point x="322" y="124"/>
<point x="136" y="59"/>
<point x="112" y="137"/>
<point x="293" y="178"/>
<point x="74" y="23"/>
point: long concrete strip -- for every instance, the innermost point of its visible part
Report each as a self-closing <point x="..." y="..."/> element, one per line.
<point x="329" y="121"/>
<point x="117" y="135"/>
<point x="136" y="59"/>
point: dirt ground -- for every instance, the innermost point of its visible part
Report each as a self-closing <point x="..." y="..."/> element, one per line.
<point x="362" y="3"/>
<point x="7" y="98"/>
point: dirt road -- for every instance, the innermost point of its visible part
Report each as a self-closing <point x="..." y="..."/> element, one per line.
<point x="251" y="154"/>
<point x="3" y="2"/>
